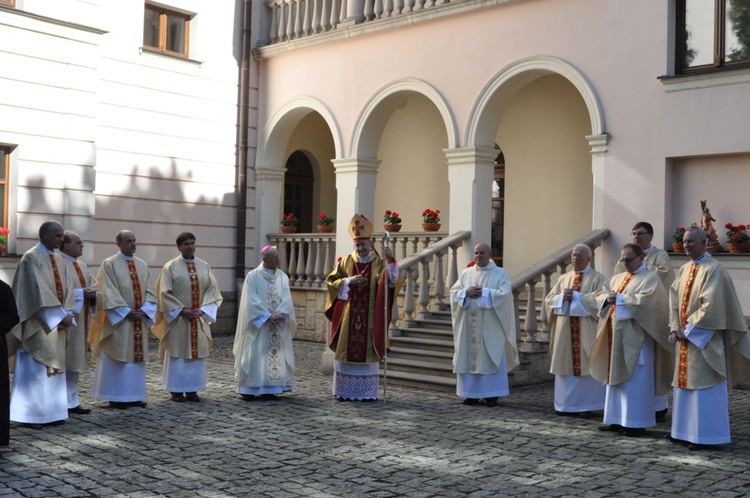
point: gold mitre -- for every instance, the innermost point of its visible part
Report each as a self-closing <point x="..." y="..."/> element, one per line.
<point x="360" y="228"/>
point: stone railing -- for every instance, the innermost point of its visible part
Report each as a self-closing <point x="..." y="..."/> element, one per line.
<point x="308" y="258"/>
<point x="533" y="335"/>
<point x="425" y="271"/>
<point x="295" y="19"/>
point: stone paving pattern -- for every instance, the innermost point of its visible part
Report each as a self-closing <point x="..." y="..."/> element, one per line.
<point x="420" y="444"/>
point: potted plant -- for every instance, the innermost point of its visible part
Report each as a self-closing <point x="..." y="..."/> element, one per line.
<point x="738" y="240"/>
<point x="677" y="236"/>
<point x="391" y="221"/>
<point x="4" y="232"/>
<point x="289" y="223"/>
<point x="431" y="220"/>
<point x="325" y="223"/>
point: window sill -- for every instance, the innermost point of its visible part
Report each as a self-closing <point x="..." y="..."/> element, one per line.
<point x="708" y="79"/>
<point x="150" y="51"/>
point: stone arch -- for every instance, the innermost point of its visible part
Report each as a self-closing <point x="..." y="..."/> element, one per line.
<point x="499" y="91"/>
<point x="372" y="119"/>
<point x="279" y="128"/>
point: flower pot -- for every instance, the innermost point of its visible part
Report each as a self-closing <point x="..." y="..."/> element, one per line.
<point x="288" y="229"/>
<point x="391" y="228"/>
<point x="678" y="248"/>
<point x="326" y="228"/>
<point x="3" y="250"/>
<point x="738" y="248"/>
<point x="430" y="227"/>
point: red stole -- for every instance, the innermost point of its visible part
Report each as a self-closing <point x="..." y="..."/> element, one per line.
<point x="575" y="330"/>
<point x="610" y="319"/>
<point x="195" y="303"/>
<point x="682" y="356"/>
<point x="138" y="302"/>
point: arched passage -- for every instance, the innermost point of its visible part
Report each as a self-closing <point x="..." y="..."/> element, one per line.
<point x="547" y="119"/>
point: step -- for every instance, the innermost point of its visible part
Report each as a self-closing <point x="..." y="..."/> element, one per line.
<point x="422" y="343"/>
<point x="441" y="334"/>
<point x="421" y="323"/>
<point x="420" y="354"/>
<point x="419" y="367"/>
<point x="421" y="381"/>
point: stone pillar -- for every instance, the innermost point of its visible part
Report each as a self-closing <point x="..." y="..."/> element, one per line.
<point x="471" y="171"/>
<point x="269" y="188"/>
<point x="598" y="144"/>
<point x="355" y="193"/>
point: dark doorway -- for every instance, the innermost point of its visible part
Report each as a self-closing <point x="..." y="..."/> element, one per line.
<point x="498" y="208"/>
<point x="298" y="190"/>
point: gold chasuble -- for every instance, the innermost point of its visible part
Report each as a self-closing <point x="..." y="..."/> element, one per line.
<point x="703" y="295"/>
<point x="619" y="342"/>
<point x="572" y="337"/>
<point x="191" y="285"/>
<point x="75" y="349"/>
<point x="124" y="284"/>
<point x="41" y="281"/>
<point x="358" y="325"/>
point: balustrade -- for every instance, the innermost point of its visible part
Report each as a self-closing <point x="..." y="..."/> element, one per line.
<point x="294" y="19"/>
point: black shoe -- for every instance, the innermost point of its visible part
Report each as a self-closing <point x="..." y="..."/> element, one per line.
<point x="637" y="432"/>
<point x="248" y="397"/>
<point x="268" y="397"/>
<point x="341" y="399"/>
<point x="78" y="410"/>
<point x="611" y="428"/>
<point x="697" y="447"/>
<point x="566" y="414"/>
<point x="118" y="405"/>
<point x="671" y="439"/>
<point x="585" y="414"/>
<point x="491" y="402"/>
<point x="138" y="404"/>
<point x="471" y="401"/>
<point x="193" y="397"/>
<point x="178" y="397"/>
<point x="661" y="415"/>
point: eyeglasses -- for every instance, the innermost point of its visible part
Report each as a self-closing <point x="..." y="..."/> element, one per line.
<point x="639" y="234"/>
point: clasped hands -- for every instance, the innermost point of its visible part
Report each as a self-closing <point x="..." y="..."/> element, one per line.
<point x="678" y="335"/>
<point x="191" y="314"/>
<point x="358" y="281"/>
<point x="276" y="318"/>
<point x="474" y="292"/>
<point x="568" y="295"/>
<point x="65" y="322"/>
<point x="612" y="298"/>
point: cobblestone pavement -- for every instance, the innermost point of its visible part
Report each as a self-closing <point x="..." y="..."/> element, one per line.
<point x="419" y="444"/>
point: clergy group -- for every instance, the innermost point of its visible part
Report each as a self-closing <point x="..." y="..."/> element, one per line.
<point x="619" y="346"/>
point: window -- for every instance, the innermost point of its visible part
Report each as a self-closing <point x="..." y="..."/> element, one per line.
<point x="11" y="3"/>
<point x="165" y="30"/>
<point x="4" y="187"/>
<point x="712" y="34"/>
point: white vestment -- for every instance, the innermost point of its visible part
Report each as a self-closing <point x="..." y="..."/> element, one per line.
<point x="630" y="404"/>
<point x="37" y="397"/>
<point x="484" y="332"/>
<point x="263" y="351"/>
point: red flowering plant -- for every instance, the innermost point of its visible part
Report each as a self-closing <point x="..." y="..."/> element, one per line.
<point x="289" y="220"/>
<point x="430" y="216"/>
<point x="737" y="234"/>
<point x="678" y="235"/>
<point x="391" y="217"/>
<point x="325" y="220"/>
<point x="4" y="232"/>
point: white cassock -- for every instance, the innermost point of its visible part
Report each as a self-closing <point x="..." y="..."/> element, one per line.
<point x="484" y="333"/>
<point x="577" y="393"/>
<point x="263" y="351"/>
<point x="701" y="416"/>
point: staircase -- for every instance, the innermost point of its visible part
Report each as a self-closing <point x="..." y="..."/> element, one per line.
<point x="422" y="348"/>
<point x="421" y="356"/>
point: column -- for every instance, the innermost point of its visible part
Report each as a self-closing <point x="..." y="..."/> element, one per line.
<point x="269" y="188"/>
<point x="471" y="171"/>
<point x="355" y="193"/>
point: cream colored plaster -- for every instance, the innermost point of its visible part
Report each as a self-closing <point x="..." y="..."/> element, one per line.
<point x="413" y="173"/>
<point x="549" y="185"/>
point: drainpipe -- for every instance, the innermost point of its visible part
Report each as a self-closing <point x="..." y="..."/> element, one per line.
<point x="242" y="129"/>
